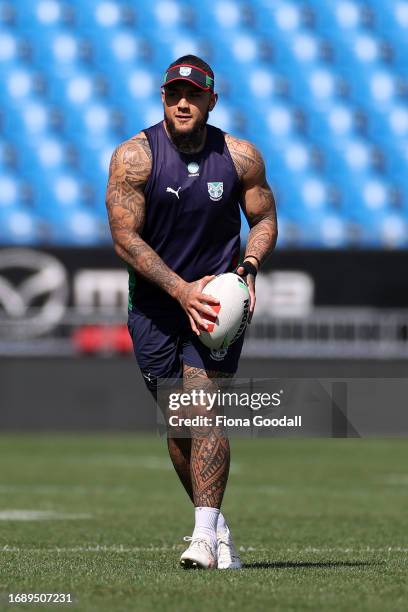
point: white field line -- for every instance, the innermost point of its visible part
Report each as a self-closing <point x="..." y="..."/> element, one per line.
<point x="40" y="515"/>
<point x="119" y="548"/>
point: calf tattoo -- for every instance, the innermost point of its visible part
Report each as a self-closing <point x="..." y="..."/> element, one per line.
<point x="210" y="451"/>
<point x="210" y="460"/>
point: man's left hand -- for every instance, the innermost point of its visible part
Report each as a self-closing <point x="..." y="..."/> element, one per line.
<point x="250" y="280"/>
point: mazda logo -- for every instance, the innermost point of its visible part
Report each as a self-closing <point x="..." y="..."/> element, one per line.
<point x="33" y="293"/>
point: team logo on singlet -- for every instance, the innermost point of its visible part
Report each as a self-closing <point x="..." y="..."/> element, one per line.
<point x="193" y="168"/>
<point x="185" y="71"/>
<point x="215" y="190"/>
<point x="218" y="355"/>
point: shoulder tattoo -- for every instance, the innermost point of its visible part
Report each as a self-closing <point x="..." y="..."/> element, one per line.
<point x="244" y="154"/>
<point x="131" y="162"/>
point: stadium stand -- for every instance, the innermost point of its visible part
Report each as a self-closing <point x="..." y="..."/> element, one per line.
<point x="320" y="87"/>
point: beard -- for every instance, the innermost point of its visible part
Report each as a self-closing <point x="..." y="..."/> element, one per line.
<point x="187" y="141"/>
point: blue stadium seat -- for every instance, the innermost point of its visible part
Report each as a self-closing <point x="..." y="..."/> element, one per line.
<point x="137" y="85"/>
<point x="382" y="229"/>
<point x="326" y="126"/>
<point x="78" y="227"/>
<point x="306" y="48"/>
<point x="265" y="83"/>
<point x="94" y="165"/>
<point x="241" y="47"/>
<point x="349" y="157"/>
<point x="392" y="19"/>
<point x="9" y="158"/>
<point x="19" y="227"/>
<point x="7" y="14"/>
<point x="394" y="231"/>
<point x="395" y="160"/>
<point x="60" y="53"/>
<point x="301" y="194"/>
<point x="42" y="14"/>
<point x="65" y="189"/>
<point x="163" y="16"/>
<point x="224" y="15"/>
<point x="398" y="121"/>
<point x="364" y="48"/>
<point x="328" y="230"/>
<point x="9" y="191"/>
<point x="284" y="16"/>
<point x="106" y="15"/>
<point x="341" y="16"/>
<point x="275" y="122"/>
<point x="19" y="84"/>
<point x="122" y="49"/>
<point x="9" y="50"/>
<point x="367" y="197"/>
<point x="290" y="157"/>
<point x="321" y="86"/>
<point x="74" y="90"/>
<point x="33" y="115"/>
<point x="375" y="87"/>
<point x="45" y="156"/>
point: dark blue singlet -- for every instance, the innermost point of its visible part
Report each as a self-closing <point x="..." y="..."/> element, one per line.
<point x="192" y="212"/>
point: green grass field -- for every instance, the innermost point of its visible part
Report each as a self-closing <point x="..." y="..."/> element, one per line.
<point x="322" y="525"/>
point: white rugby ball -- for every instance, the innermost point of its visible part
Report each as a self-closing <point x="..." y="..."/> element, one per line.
<point x="233" y="311"/>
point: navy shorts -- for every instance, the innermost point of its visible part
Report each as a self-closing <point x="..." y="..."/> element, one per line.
<point x="164" y="341"/>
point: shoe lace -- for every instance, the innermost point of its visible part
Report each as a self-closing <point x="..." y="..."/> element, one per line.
<point x="200" y="543"/>
<point x="226" y="550"/>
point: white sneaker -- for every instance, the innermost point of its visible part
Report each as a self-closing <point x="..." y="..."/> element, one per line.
<point x="201" y="554"/>
<point x="227" y="555"/>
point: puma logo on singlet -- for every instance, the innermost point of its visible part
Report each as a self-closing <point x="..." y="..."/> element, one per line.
<point x="173" y="191"/>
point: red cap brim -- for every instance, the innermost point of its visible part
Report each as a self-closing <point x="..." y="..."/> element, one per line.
<point x="181" y="78"/>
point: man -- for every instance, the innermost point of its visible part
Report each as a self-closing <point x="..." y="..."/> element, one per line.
<point x="173" y="200"/>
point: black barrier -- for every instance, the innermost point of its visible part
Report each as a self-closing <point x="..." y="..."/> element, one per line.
<point x="341" y="277"/>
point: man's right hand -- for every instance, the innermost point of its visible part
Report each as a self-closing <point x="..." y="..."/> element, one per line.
<point x="195" y="302"/>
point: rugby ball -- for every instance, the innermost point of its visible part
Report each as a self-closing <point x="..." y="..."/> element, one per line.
<point x="231" y="314"/>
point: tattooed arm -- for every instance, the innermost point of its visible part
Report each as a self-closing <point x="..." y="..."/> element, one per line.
<point x="258" y="205"/>
<point x="258" y="201"/>
<point x="129" y="171"/>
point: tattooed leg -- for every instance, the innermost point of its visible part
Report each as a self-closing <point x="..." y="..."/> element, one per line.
<point x="210" y="451"/>
<point x="210" y="461"/>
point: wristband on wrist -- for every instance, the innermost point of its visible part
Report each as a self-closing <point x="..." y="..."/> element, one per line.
<point x="248" y="267"/>
<point x="254" y="257"/>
